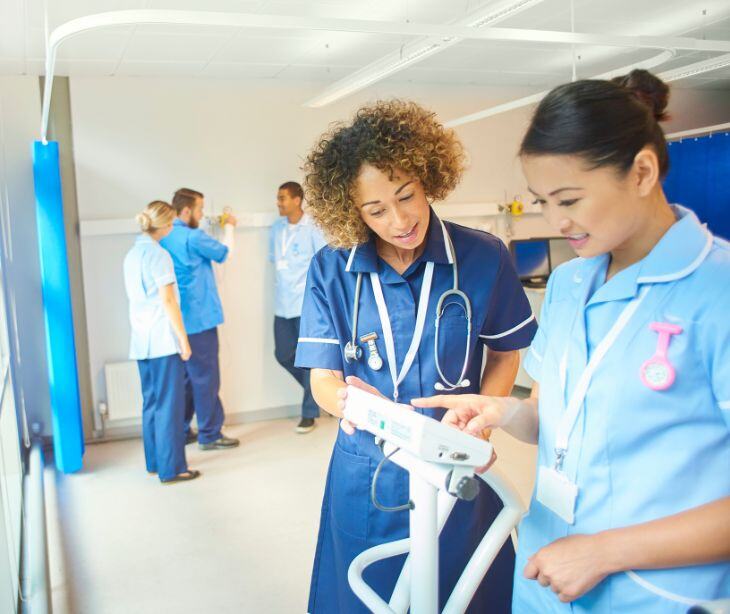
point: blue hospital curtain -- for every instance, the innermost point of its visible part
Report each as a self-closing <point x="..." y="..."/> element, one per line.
<point x="699" y="178"/>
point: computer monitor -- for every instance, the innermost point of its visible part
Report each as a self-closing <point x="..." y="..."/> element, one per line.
<point x="531" y="258"/>
<point x="560" y="251"/>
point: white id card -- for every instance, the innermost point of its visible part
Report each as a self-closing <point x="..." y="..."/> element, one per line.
<point x="282" y="265"/>
<point x="557" y="493"/>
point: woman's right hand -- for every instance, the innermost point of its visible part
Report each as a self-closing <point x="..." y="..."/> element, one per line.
<point x="472" y="413"/>
<point x="351" y="380"/>
<point x="185" y="351"/>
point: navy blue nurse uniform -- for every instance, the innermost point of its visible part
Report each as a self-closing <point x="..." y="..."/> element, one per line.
<point x="502" y="320"/>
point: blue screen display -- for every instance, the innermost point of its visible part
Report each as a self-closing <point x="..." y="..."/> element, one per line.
<point x="531" y="258"/>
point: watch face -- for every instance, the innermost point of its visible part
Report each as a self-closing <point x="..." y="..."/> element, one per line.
<point x="657" y="374"/>
<point x="375" y="362"/>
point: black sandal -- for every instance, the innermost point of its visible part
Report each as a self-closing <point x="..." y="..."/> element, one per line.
<point x="185" y="476"/>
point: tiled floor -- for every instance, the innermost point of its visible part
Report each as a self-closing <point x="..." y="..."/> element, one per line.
<point x="240" y="539"/>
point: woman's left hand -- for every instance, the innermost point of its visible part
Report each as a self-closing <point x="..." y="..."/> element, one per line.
<point x="570" y="566"/>
<point x="352" y="380"/>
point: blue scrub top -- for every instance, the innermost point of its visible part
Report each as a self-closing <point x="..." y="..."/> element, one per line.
<point x="147" y="268"/>
<point x="291" y="247"/>
<point x="636" y="454"/>
<point x="501" y="315"/>
<point x="502" y="320"/>
<point x="193" y="251"/>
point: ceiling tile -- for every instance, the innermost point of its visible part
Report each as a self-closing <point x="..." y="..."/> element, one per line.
<point x="147" y="47"/>
<point x="235" y="70"/>
<point x="66" y="10"/>
<point x="159" y="69"/>
<point x="314" y="73"/>
<point x="219" y="6"/>
<point x="263" y="49"/>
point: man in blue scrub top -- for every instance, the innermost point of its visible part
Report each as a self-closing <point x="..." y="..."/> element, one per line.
<point x="193" y="252"/>
<point x="293" y="240"/>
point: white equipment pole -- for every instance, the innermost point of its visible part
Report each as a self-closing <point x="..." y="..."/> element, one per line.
<point x="424" y="547"/>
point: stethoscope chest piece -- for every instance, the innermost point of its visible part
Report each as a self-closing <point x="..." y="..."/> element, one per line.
<point x="353" y="352"/>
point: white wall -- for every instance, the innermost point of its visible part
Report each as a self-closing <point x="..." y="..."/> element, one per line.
<point x="137" y="139"/>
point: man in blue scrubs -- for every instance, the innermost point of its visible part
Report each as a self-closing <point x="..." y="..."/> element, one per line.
<point x="193" y="251"/>
<point x="293" y="240"/>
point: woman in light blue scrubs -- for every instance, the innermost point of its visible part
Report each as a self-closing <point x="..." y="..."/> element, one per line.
<point x="159" y="344"/>
<point x="369" y="185"/>
<point x="631" y="406"/>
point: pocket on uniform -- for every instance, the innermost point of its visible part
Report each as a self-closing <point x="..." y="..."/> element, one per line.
<point x="350" y="488"/>
<point x="452" y="342"/>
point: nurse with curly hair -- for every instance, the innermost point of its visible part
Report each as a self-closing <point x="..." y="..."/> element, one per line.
<point x="369" y="318"/>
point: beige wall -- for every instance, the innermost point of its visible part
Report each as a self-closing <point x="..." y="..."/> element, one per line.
<point x="137" y="139"/>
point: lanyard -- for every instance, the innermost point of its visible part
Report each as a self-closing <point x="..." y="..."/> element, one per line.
<point x="286" y="242"/>
<point x="575" y="404"/>
<point x="388" y="332"/>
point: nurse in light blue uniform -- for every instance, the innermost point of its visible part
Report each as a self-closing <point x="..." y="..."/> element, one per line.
<point x="631" y="511"/>
<point x="403" y="258"/>
<point x="159" y="344"/>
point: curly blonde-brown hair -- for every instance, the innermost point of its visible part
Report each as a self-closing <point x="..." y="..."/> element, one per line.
<point x="390" y="135"/>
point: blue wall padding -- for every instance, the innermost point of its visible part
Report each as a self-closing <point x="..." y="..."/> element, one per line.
<point x="68" y="434"/>
<point x="699" y="178"/>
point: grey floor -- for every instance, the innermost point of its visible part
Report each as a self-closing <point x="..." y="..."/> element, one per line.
<point x="239" y="539"/>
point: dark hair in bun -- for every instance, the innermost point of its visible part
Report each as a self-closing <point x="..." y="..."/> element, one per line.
<point x="604" y="122"/>
<point x="649" y="89"/>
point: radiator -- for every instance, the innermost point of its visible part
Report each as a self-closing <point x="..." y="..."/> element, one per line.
<point x="123" y="392"/>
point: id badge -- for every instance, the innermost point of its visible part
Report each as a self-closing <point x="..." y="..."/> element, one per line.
<point x="282" y="265"/>
<point x="557" y="493"/>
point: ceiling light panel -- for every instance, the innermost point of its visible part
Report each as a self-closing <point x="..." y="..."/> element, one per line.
<point x="697" y="68"/>
<point x="418" y="50"/>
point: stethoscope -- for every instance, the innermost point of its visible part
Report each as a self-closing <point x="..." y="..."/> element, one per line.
<point x="353" y="352"/>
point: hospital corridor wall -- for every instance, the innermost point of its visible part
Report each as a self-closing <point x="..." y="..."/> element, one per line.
<point x="137" y="139"/>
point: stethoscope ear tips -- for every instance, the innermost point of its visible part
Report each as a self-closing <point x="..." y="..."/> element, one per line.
<point x="465" y="383"/>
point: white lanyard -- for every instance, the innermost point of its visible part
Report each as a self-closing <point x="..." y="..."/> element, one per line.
<point x="575" y="404"/>
<point x="388" y="332"/>
<point x="286" y="242"/>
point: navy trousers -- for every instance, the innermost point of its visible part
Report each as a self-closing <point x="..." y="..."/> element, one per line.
<point x="286" y="335"/>
<point x="163" y="381"/>
<point x="202" y="384"/>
